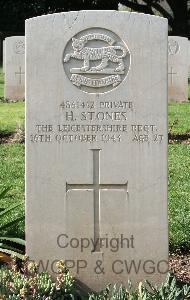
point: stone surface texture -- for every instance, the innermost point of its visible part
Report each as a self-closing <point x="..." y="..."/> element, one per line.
<point x="96" y="145"/>
<point x="3" y="56"/>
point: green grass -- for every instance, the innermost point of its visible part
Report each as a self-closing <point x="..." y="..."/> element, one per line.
<point x="11" y="116"/>
<point x="12" y="175"/>
<point x="179" y="196"/>
<point x="179" y="118"/>
<point x="1" y="82"/>
<point x="12" y="168"/>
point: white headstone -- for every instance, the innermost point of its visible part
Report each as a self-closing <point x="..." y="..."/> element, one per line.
<point x="96" y="135"/>
<point x="3" y="56"/>
<point x="15" y="67"/>
<point x="189" y="58"/>
<point x="177" y="69"/>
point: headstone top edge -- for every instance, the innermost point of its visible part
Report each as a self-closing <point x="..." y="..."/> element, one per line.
<point x="177" y="37"/>
<point x="14" y="37"/>
<point x="153" y="17"/>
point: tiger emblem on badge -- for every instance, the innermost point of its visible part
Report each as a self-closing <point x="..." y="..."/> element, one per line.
<point x="173" y="47"/>
<point x="96" y="60"/>
<point x="19" y="47"/>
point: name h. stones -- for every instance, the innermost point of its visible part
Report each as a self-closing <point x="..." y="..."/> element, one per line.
<point x="14" y="68"/>
<point x="177" y="69"/>
<point x="96" y="135"/>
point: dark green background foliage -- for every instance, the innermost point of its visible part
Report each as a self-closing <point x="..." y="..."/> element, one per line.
<point x="12" y="170"/>
<point x="14" y="12"/>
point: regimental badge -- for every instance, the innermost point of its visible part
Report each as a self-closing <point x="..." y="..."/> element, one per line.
<point x="19" y="47"/>
<point x="96" y="60"/>
<point x="173" y="47"/>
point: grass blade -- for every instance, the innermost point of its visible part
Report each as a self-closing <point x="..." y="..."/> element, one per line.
<point x="4" y="212"/>
<point x="14" y="240"/>
<point x="10" y="252"/>
<point x="2" y="227"/>
<point x="4" y="192"/>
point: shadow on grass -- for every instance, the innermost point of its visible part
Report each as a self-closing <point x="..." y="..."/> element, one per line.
<point x="5" y="137"/>
<point x="178" y="137"/>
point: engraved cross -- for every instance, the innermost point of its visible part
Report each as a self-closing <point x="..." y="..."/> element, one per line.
<point x="96" y="186"/>
<point x="20" y="73"/>
<point x="171" y="77"/>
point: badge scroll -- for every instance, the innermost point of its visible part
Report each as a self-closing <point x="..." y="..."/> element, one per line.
<point x="96" y="61"/>
<point x="19" y="47"/>
<point x="173" y="47"/>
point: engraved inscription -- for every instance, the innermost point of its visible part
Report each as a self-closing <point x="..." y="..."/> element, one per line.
<point x="19" y="47"/>
<point x="79" y="80"/>
<point x="96" y="186"/>
<point x="96" y="60"/>
<point x="173" y="47"/>
<point x="91" y="121"/>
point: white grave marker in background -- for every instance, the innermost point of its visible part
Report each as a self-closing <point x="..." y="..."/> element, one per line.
<point x="189" y="58"/>
<point x="177" y="69"/>
<point x="3" y="56"/>
<point x="14" y="67"/>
